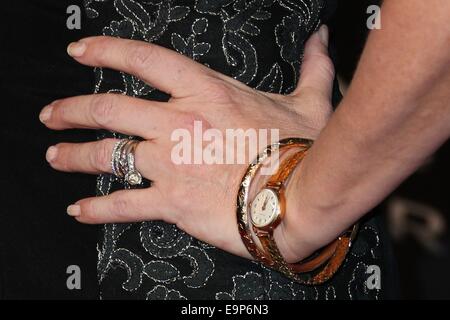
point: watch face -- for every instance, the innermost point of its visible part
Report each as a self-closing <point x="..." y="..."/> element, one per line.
<point x="265" y="208"/>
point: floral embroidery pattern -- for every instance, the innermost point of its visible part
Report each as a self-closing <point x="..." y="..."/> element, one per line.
<point x="260" y="43"/>
<point x="162" y="293"/>
<point x="189" y="46"/>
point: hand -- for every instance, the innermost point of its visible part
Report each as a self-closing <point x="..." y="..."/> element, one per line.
<point x="200" y="199"/>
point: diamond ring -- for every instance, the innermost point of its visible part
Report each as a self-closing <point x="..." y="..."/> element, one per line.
<point x="123" y="161"/>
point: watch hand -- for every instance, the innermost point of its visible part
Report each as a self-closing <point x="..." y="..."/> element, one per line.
<point x="265" y="203"/>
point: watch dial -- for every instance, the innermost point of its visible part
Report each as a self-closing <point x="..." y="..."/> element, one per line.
<point x="264" y="208"/>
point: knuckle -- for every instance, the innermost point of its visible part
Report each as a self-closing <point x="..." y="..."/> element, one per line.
<point x="189" y="121"/>
<point x="121" y="207"/>
<point x="99" y="50"/>
<point x="59" y="111"/>
<point x="63" y="111"/>
<point x="102" y="156"/>
<point x="320" y="118"/>
<point x="138" y="56"/>
<point x="102" y="109"/>
<point x="315" y="110"/>
<point x="327" y="65"/>
<point x="321" y="61"/>
<point x="221" y="92"/>
<point x="87" y="212"/>
<point x="63" y="157"/>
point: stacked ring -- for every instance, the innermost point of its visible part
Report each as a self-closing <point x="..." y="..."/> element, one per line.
<point x="123" y="162"/>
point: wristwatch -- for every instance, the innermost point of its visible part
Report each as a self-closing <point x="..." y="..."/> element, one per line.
<point x="242" y="208"/>
<point x="267" y="211"/>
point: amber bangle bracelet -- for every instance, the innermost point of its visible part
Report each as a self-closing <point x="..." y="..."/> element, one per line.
<point x="313" y="270"/>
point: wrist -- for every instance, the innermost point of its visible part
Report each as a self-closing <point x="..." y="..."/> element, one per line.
<point x="302" y="230"/>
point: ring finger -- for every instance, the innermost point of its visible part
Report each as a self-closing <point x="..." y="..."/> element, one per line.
<point x="95" y="157"/>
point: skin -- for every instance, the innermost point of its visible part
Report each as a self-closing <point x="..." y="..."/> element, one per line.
<point x="394" y="116"/>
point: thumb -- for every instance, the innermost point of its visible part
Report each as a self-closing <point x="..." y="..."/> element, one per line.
<point x="317" y="70"/>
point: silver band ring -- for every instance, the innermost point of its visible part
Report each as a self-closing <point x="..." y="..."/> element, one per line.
<point x="123" y="162"/>
<point x="115" y="158"/>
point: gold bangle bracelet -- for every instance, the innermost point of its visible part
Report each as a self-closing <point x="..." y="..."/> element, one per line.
<point x="315" y="269"/>
<point x="243" y="221"/>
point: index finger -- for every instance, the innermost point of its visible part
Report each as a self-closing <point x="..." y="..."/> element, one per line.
<point x="160" y="67"/>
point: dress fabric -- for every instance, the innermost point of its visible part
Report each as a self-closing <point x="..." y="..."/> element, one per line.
<point x="260" y="43"/>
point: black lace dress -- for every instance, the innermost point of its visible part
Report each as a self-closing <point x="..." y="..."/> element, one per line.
<point x="260" y="43"/>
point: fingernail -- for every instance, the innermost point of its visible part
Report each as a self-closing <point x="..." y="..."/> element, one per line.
<point x="76" y="49"/>
<point x="74" y="210"/>
<point x="45" y="114"/>
<point x="51" y="153"/>
<point x="323" y="35"/>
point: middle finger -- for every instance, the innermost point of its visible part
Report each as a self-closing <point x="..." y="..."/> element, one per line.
<point x="115" y="112"/>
